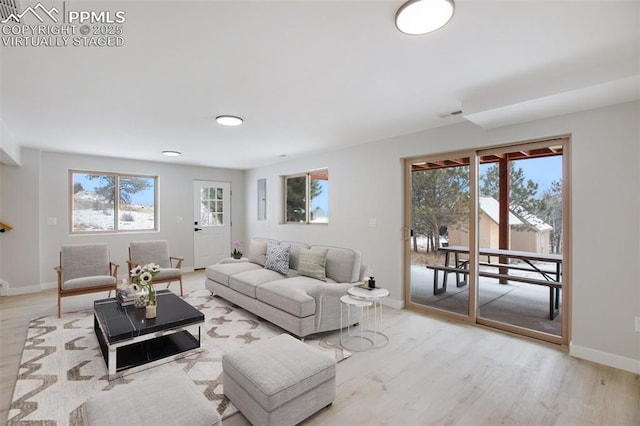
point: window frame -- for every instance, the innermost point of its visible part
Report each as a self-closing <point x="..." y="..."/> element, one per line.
<point x="307" y="199"/>
<point x="116" y="205"/>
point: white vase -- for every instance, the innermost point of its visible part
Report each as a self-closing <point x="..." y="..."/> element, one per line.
<point x="150" y="311"/>
<point x="141" y="298"/>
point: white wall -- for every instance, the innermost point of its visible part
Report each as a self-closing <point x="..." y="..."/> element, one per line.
<point x="366" y="183"/>
<point x="20" y="261"/>
<point x="39" y="190"/>
<point x="9" y="148"/>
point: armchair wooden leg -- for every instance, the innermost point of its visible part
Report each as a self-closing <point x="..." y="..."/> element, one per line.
<point x="58" y="305"/>
<point x="181" y="294"/>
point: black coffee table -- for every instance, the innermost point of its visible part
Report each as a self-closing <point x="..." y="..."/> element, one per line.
<point x="130" y="342"/>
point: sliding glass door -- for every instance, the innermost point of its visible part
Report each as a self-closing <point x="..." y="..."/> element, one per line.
<point x="486" y="237"/>
<point x="520" y="238"/>
<point x="439" y="217"/>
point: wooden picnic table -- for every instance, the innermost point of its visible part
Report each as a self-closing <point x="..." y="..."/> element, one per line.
<point x="551" y="278"/>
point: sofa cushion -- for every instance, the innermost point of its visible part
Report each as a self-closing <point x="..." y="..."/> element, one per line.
<point x="343" y="264"/>
<point x="278" y="257"/>
<point x="312" y="263"/>
<point x="220" y="272"/>
<point x="246" y="282"/>
<point x="290" y="295"/>
<point x="258" y="251"/>
<point x="294" y="253"/>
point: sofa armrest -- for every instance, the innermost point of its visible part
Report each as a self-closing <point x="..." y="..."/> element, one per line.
<point x="329" y="289"/>
<point x="328" y="305"/>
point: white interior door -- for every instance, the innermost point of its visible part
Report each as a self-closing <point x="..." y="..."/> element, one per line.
<point x="212" y="222"/>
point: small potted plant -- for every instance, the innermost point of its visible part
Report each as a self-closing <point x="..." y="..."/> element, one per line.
<point x="236" y="254"/>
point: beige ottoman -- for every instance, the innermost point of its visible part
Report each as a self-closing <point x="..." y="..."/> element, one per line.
<point x="279" y="381"/>
<point x="166" y="399"/>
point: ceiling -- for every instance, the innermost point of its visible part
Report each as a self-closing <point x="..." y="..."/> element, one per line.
<point x="311" y="76"/>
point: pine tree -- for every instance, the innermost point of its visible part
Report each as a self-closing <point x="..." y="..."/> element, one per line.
<point x="128" y="186"/>
<point x="296" y="197"/>
<point x="440" y="198"/>
<point x="552" y="214"/>
<point x="521" y="192"/>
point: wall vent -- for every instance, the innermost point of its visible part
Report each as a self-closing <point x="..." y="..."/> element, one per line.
<point x="9" y="8"/>
<point x="449" y="114"/>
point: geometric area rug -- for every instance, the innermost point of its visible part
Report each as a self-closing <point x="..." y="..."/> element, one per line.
<point x="62" y="365"/>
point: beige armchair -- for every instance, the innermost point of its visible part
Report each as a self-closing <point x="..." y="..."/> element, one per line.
<point x="143" y="252"/>
<point x="85" y="268"/>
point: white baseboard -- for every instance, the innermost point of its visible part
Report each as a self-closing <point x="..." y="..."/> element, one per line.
<point x="605" y="358"/>
<point x="47" y="286"/>
<point x="393" y="303"/>
<point x="23" y="290"/>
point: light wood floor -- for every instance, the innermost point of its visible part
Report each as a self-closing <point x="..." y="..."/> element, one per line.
<point x="433" y="372"/>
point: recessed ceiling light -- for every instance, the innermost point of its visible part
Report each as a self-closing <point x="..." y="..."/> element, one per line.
<point x="171" y="153"/>
<point x="417" y="17"/>
<point x="229" y="120"/>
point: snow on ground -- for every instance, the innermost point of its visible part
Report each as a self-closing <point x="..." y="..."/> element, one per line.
<point x="92" y="212"/>
<point x="100" y="220"/>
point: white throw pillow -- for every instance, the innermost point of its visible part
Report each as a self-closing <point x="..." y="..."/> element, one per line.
<point x="258" y="252"/>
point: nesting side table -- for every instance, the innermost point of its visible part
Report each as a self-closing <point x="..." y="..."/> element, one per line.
<point x="346" y="341"/>
<point x="373" y="297"/>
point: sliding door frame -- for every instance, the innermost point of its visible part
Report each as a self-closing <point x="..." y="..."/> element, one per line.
<point x="473" y="211"/>
<point x="474" y="161"/>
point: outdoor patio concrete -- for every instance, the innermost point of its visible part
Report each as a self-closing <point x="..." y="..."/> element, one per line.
<point x="520" y="304"/>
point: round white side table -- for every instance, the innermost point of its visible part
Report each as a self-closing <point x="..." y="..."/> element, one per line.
<point x="347" y="341"/>
<point x="372" y="296"/>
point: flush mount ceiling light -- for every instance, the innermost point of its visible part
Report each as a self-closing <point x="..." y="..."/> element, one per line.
<point x="417" y="17"/>
<point x="229" y="120"/>
<point x="171" y="153"/>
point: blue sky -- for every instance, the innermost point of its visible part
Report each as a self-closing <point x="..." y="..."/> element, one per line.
<point x="322" y="200"/>
<point x="542" y="171"/>
<point x="142" y="198"/>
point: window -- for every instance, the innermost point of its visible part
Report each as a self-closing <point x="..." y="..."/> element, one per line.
<point x="307" y="197"/>
<point x="262" y="199"/>
<point x="96" y="208"/>
<point x="211" y="206"/>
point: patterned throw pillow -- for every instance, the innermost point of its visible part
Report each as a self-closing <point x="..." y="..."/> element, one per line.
<point x="312" y="263"/>
<point x="278" y="257"/>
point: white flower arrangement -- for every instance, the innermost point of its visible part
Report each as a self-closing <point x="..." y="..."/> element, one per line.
<point x="143" y="276"/>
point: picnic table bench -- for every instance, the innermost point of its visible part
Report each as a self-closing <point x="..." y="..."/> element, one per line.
<point x="551" y="278"/>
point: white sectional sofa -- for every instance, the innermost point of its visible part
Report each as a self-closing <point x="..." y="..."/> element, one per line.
<point x="292" y="288"/>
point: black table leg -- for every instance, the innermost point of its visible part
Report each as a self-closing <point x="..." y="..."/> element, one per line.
<point x="442" y="289"/>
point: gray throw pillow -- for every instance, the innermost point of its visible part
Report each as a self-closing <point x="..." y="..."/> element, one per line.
<point x="312" y="263"/>
<point x="278" y="257"/>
